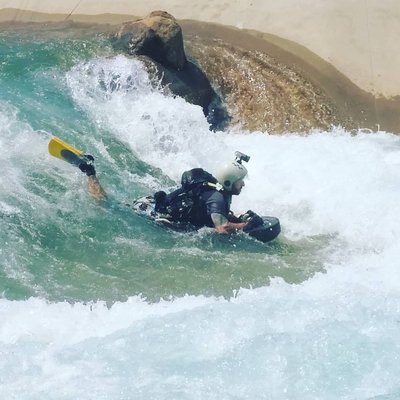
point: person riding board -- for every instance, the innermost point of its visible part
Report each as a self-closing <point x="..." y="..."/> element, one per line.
<point x="212" y="203"/>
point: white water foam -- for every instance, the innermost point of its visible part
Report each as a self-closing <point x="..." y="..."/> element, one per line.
<point x="164" y="131"/>
<point x="316" y="340"/>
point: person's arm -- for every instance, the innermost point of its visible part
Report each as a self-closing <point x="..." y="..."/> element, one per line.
<point x="95" y="189"/>
<point x="222" y="225"/>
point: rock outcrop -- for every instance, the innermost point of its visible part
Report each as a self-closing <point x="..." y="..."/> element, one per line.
<point x="159" y="37"/>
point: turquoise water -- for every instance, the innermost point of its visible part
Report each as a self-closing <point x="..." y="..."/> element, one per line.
<point x="99" y="303"/>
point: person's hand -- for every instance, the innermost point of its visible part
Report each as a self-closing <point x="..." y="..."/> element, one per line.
<point x="253" y="222"/>
<point x="247" y="216"/>
<point x="87" y="166"/>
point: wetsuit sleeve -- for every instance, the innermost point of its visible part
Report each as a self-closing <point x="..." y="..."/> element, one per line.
<point x="217" y="204"/>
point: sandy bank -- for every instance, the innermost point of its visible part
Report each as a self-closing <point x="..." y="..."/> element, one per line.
<point x="360" y="38"/>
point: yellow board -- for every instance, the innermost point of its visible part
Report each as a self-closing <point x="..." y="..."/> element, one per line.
<point x="65" y="151"/>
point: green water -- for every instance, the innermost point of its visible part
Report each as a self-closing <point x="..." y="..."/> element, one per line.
<point x="61" y="244"/>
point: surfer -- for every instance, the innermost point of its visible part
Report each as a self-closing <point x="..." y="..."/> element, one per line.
<point x="204" y="201"/>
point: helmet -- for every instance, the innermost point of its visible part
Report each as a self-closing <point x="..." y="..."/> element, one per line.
<point x="230" y="173"/>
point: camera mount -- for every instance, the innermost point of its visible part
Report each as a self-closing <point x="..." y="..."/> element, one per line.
<point x="239" y="157"/>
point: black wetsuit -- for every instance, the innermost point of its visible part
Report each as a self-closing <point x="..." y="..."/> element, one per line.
<point x="210" y="202"/>
<point x="195" y="206"/>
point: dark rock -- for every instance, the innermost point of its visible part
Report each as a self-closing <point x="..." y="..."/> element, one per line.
<point x="159" y="37"/>
<point x="192" y="84"/>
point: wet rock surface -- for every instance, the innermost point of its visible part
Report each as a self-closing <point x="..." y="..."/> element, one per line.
<point x="261" y="94"/>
